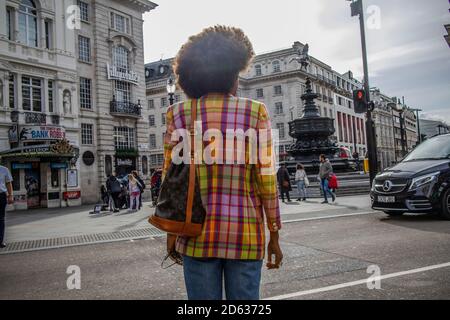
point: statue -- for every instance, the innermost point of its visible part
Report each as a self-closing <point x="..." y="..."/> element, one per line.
<point x="303" y="58"/>
<point x="67" y="103"/>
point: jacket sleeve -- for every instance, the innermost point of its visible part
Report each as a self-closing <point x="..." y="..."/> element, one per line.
<point x="168" y="143"/>
<point x="266" y="176"/>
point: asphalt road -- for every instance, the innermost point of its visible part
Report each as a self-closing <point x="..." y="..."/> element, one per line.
<point x="318" y="254"/>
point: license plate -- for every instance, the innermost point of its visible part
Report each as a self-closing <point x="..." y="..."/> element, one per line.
<point x="383" y="199"/>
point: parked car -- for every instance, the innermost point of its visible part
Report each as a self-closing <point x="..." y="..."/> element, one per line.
<point x="420" y="183"/>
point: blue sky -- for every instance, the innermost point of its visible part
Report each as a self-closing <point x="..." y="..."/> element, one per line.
<point x="408" y="55"/>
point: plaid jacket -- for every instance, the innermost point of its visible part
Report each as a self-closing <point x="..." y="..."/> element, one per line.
<point x="236" y="196"/>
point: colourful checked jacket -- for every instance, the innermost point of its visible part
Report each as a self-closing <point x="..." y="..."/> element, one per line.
<point x="236" y="196"/>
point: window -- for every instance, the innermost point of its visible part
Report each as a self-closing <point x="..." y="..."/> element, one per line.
<point x="28" y="23"/>
<point x="120" y="23"/>
<point x="151" y="120"/>
<point x="144" y="165"/>
<point x="85" y="93"/>
<point x="12" y="91"/>
<point x="151" y="104"/>
<point x="258" y="70"/>
<point x="120" y="58"/>
<point x="51" y="101"/>
<point x="277" y="90"/>
<point x="163" y="102"/>
<point x="276" y="66"/>
<point x="280" y="128"/>
<point x="84" y="11"/>
<point x="54" y="175"/>
<point x="84" y="49"/>
<point x="48" y="34"/>
<point x="160" y="159"/>
<point x="9" y="23"/>
<point x="31" y="94"/>
<point x="279" y="108"/>
<point x="87" y="136"/>
<point x="124" y="138"/>
<point x="122" y="91"/>
<point x="259" y="93"/>
<point x="163" y="119"/>
<point x="152" y="142"/>
<point x="340" y="101"/>
<point x="177" y="98"/>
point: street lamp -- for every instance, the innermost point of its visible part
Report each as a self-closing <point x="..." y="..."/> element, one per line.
<point x="171" y="88"/>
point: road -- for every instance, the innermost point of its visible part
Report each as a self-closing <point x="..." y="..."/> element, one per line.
<point x="326" y="251"/>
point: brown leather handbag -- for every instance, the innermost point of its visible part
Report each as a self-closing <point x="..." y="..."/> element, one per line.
<point x="179" y="209"/>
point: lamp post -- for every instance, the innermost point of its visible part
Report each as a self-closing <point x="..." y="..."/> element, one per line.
<point x="357" y="9"/>
<point x="171" y="88"/>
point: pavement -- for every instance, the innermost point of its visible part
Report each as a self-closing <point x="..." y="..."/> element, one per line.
<point x="68" y="222"/>
<point x="328" y="251"/>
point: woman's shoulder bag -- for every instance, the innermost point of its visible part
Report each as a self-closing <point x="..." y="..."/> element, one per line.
<point x="179" y="209"/>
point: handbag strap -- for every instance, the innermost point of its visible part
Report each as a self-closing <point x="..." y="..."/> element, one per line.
<point x="191" y="189"/>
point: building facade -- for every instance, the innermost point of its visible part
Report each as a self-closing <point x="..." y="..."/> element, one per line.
<point x="276" y="79"/>
<point x="431" y="128"/>
<point x="71" y="77"/>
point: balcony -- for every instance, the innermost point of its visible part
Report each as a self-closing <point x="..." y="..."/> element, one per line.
<point x="125" y="109"/>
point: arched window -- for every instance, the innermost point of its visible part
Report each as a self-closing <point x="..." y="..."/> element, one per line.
<point x="28" y="23"/>
<point x="276" y="66"/>
<point x="121" y="58"/>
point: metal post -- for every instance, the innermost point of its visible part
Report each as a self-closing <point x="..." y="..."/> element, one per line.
<point x="370" y="126"/>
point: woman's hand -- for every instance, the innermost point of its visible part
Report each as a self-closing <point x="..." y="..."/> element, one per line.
<point x="273" y="248"/>
<point x="171" y="241"/>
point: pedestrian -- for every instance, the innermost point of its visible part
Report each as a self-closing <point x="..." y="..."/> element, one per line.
<point x="284" y="182"/>
<point x="302" y="181"/>
<point x="6" y="197"/>
<point x="134" y="190"/>
<point x="333" y="183"/>
<point x="325" y="171"/>
<point x="141" y="187"/>
<point x="231" y="248"/>
<point x="114" y="188"/>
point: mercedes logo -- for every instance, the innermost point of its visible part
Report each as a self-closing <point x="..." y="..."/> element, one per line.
<point x="387" y="186"/>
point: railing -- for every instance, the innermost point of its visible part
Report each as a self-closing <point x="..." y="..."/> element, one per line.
<point x="126" y="108"/>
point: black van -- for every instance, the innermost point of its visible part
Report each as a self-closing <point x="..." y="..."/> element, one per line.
<point x="420" y="183"/>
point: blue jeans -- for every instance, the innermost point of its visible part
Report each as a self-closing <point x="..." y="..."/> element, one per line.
<point x="301" y="187"/>
<point x="204" y="278"/>
<point x="326" y="189"/>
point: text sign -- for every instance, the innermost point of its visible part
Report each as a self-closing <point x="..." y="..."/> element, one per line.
<point x="115" y="73"/>
<point x="42" y="133"/>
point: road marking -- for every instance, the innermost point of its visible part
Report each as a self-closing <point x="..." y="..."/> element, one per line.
<point x="331" y="217"/>
<point x="359" y="282"/>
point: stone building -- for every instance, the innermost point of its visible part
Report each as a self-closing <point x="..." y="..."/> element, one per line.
<point x="71" y="77"/>
<point x="430" y="128"/>
<point x="277" y="80"/>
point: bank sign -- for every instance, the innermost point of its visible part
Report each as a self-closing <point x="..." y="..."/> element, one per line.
<point x="42" y="133"/>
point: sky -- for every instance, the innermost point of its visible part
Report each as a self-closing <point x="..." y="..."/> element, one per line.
<point x="408" y="55"/>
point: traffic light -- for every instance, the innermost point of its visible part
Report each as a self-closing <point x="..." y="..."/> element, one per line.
<point x="360" y="101"/>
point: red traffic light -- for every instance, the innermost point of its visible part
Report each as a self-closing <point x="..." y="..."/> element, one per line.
<point x="360" y="94"/>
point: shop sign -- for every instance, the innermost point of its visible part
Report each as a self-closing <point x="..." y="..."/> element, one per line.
<point x="58" y="165"/>
<point x="42" y="133"/>
<point x="24" y="166"/>
<point x="72" y="195"/>
<point x="115" y="74"/>
<point x="125" y="162"/>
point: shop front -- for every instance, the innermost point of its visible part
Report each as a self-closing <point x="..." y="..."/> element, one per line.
<point x="44" y="169"/>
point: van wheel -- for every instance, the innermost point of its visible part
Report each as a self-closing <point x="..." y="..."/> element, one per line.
<point x="394" y="213"/>
<point x="445" y="206"/>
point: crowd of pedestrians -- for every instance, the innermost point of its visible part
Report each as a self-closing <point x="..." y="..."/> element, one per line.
<point x="328" y="182"/>
<point x="125" y="193"/>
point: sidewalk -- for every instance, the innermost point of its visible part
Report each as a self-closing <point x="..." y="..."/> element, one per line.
<point x="56" y="223"/>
